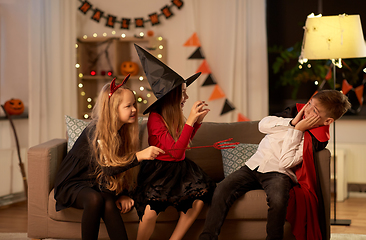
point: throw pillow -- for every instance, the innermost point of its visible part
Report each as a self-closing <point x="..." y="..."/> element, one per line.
<point x="235" y="158"/>
<point x="74" y="128"/>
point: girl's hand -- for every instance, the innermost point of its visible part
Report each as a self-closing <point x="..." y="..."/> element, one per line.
<point x="299" y="115"/>
<point x="308" y="123"/>
<point x="125" y="203"/>
<point x="149" y="153"/>
<point x="198" y="112"/>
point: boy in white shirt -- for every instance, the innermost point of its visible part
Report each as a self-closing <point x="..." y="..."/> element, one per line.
<point x="271" y="167"/>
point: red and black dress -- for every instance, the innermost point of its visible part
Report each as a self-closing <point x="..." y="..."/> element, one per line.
<point x="170" y="179"/>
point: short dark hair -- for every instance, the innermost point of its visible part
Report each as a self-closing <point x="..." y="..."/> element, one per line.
<point x="335" y="102"/>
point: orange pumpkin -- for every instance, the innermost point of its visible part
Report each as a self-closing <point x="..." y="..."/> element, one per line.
<point x="129" y="67"/>
<point x="14" y="106"/>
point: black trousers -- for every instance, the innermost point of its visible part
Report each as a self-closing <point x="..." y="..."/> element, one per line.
<point x="276" y="185"/>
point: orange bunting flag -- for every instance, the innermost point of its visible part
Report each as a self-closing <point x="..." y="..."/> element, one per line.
<point x="242" y="118"/>
<point x="359" y="93"/>
<point x="346" y="87"/>
<point x="204" y="68"/>
<point x="193" y="41"/>
<point x="217" y="93"/>
<point x="329" y="74"/>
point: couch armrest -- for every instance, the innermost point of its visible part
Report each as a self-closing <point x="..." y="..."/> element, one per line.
<point x="43" y="161"/>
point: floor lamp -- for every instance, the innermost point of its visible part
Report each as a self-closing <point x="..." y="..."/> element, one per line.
<point x="334" y="38"/>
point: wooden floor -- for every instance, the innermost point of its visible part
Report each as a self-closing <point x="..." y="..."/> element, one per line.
<point x="14" y="218"/>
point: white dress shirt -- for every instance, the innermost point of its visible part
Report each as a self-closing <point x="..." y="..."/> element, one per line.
<point x="280" y="150"/>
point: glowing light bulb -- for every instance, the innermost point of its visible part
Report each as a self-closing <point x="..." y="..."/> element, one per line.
<point x="95" y="35"/>
<point x="161" y="47"/>
<point x="316" y="83"/>
<point x="77" y="65"/>
<point x="309" y="65"/>
<point x="134" y="92"/>
<point x="86" y="116"/>
<point x="113" y="32"/>
<point x="141" y="78"/>
<point x="80" y="85"/>
<point x="142" y="88"/>
<point x="81" y="75"/>
<point x="145" y="101"/>
<point x="85" y="37"/>
<point x="148" y="95"/>
<point x="160" y="55"/>
<point x="141" y="34"/>
<point x="160" y="38"/>
<point x="82" y="94"/>
<point x="139" y="99"/>
<point x="89" y="99"/>
<point x="104" y="34"/>
<point x="90" y="106"/>
<point x="76" y="45"/>
<point x="300" y="66"/>
<point x="123" y="35"/>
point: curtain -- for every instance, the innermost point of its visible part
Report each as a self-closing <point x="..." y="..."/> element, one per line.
<point x="234" y="43"/>
<point x="52" y="81"/>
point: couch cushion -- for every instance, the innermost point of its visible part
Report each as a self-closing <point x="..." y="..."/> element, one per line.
<point x="235" y="158"/>
<point x="74" y="215"/>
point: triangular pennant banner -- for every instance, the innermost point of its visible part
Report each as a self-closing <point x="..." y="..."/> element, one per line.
<point x="203" y="68"/>
<point x="329" y="74"/>
<point x="217" y="93"/>
<point x="209" y="81"/>
<point x="192" y="41"/>
<point x="197" y="54"/>
<point x="359" y="94"/>
<point x="242" y="118"/>
<point x="227" y="107"/>
<point x="346" y="87"/>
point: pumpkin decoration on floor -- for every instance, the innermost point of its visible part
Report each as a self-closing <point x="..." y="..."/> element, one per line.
<point x="129" y="67"/>
<point x="14" y="106"/>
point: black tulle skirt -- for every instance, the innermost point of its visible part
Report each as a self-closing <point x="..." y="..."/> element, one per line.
<point x="178" y="184"/>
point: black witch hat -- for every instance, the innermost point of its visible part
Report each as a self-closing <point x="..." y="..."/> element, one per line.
<point x="161" y="78"/>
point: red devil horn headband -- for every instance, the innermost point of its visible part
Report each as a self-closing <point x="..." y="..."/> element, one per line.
<point x="114" y="87"/>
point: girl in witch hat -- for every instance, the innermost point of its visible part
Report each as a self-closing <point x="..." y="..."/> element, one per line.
<point x="99" y="169"/>
<point x="171" y="179"/>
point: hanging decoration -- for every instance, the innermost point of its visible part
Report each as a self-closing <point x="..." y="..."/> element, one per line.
<point x="125" y="23"/>
<point x="346" y="87"/>
<point x="204" y="68"/>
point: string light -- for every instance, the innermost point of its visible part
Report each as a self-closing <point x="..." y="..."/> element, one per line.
<point x="89" y="99"/>
<point x="95" y="35"/>
<point x="82" y="94"/>
<point x="81" y="75"/>
<point x="316" y="83"/>
<point x="160" y="38"/>
<point x="161" y="47"/>
<point x="113" y="32"/>
<point x="145" y="101"/>
<point x="142" y="88"/>
<point x="141" y="78"/>
<point x="104" y="34"/>
<point x="123" y="35"/>
<point x="160" y="55"/>
<point x="148" y="95"/>
<point x="141" y="34"/>
<point x="76" y="45"/>
<point x="300" y="66"/>
<point x="80" y="85"/>
<point x="85" y="37"/>
<point x="77" y="65"/>
<point x="86" y="116"/>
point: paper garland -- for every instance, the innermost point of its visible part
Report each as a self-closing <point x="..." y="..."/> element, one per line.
<point x="346" y="87"/>
<point x="126" y="22"/>
<point x="204" y="68"/>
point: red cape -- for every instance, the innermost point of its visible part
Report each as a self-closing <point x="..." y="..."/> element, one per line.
<point x="302" y="210"/>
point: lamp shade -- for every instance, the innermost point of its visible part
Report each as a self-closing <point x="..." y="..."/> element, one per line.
<point x="333" y="37"/>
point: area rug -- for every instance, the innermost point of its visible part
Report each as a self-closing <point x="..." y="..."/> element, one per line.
<point x="334" y="236"/>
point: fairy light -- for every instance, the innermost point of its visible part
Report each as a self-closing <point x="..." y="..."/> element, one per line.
<point x="104" y="34"/>
<point x="139" y="99"/>
<point x="134" y="92"/>
<point x="160" y="55"/>
<point x="142" y="88"/>
<point x="82" y="94"/>
<point x="77" y="65"/>
<point x="90" y="106"/>
<point x="364" y="70"/>
<point x="316" y="83"/>
<point x="114" y="32"/>
<point x="89" y="99"/>
<point x="81" y="75"/>
<point x="80" y="85"/>
<point x="148" y="95"/>
<point x="76" y="45"/>
<point x="141" y="78"/>
<point x="160" y="38"/>
<point x="141" y="34"/>
<point x="161" y="47"/>
<point x="123" y="35"/>
<point x="300" y="66"/>
<point x="145" y="101"/>
<point x="86" y="116"/>
<point x="95" y="35"/>
<point x="85" y="37"/>
<point x="309" y="65"/>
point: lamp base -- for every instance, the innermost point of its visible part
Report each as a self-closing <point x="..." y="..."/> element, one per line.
<point x="340" y="222"/>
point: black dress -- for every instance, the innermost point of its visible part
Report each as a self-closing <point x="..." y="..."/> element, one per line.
<point x="76" y="171"/>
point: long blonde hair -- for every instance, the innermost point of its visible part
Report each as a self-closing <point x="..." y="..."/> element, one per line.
<point x="171" y="111"/>
<point x="112" y="146"/>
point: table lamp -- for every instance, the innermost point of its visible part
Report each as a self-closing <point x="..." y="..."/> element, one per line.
<point x="334" y="38"/>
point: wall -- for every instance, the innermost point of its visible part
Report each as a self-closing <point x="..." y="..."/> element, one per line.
<point x="13" y="84"/>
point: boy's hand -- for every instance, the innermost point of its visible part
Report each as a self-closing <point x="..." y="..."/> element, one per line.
<point x="149" y="153"/>
<point x="307" y="123"/>
<point x="299" y="115"/>
<point x="125" y="203"/>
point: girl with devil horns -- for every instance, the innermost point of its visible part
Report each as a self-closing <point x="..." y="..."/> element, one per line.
<point x="171" y="179"/>
<point x="99" y="171"/>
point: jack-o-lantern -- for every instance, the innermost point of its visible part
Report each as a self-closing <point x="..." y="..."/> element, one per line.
<point x="129" y="67"/>
<point x="14" y="106"/>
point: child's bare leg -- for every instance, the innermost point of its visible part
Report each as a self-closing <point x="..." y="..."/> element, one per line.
<point x="147" y="225"/>
<point x="186" y="220"/>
